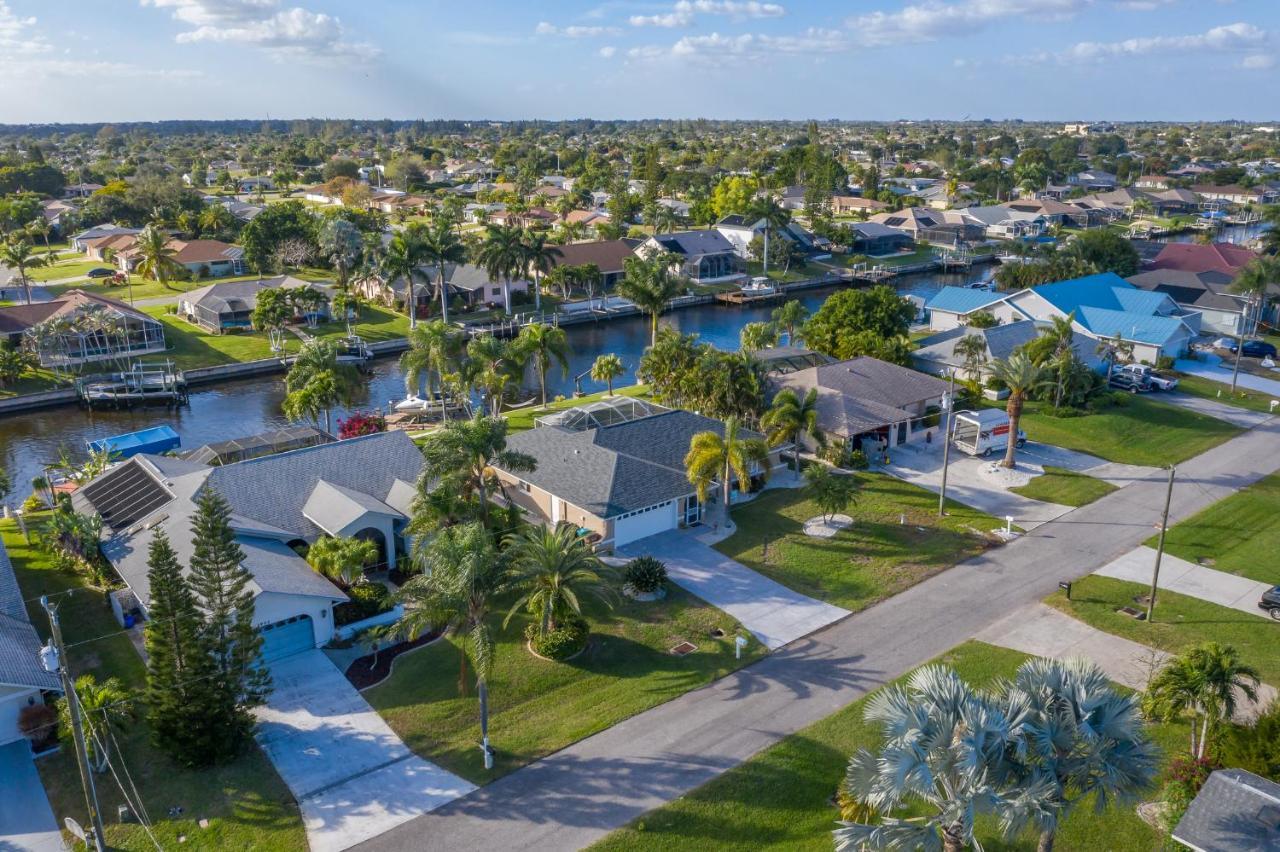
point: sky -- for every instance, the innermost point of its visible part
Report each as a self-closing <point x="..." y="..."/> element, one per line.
<point x="140" y="60"/>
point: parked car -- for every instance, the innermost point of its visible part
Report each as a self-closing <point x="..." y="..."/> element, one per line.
<point x="1156" y="380"/>
<point x="1271" y="602"/>
<point x="1120" y="380"/>
<point x="100" y="272"/>
<point x="1255" y="349"/>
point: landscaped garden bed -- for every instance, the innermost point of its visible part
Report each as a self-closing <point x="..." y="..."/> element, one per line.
<point x="373" y="669"/>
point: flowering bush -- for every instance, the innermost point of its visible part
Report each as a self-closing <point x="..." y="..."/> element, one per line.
<point x="361" y="423"/>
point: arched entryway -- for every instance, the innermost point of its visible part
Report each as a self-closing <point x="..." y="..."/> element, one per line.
<point x="379" y="538"/>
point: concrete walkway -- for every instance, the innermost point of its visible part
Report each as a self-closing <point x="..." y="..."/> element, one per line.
<point x="775" y="614"/>
<point x="26" y="820"/>
<point x="352" y="776"/>
<point x="1187" y="578"/>
<point x="1215" y="369"/>
<point x="1233" y="414"/>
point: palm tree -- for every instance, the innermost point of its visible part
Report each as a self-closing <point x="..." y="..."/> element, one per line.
<point x="1112" y="350"/>
<point x="346" y="305"/>
<point x="462" y="575"/>
<point x="1253" y="282"/>
<point x="549" y="569"/>
<point x="403" y="259"/>
<point x="1083" y="739"/>
<point x="461" y="458"/>
<point x="40" y="226"/>
<point x="649" y="284"/>
<point x="18" y="254"/>
<point x="494" y="363"/>
<point x="545" y="343"/>
<point x="343" y="558"/>
<point x="538" y="257"/>
<point x="943" y="752"/>
<point x="1020" y="376"/>
<point x="317" y="382"/>
<point x="713" y="457"/>
<point x="973" y="349"/>
<point x="155" y="254"/>
<point x="435" y="348"/>
<point x="103" y="706"/>
<point x="606" y="368"/>
<point x="501" y="255"/>
<point x="440" y="246"/>
<point x="789" y="317"/>
<point x="665" y="219"/>
<point x="789" y="416"/>
<point x="755" y="336"/>
<point x="1205" y="680"/>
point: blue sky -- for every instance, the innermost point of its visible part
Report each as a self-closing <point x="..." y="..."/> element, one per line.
<point x="124" y="60"/>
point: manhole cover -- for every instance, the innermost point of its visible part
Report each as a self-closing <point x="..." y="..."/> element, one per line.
<point x="684" y="648"/>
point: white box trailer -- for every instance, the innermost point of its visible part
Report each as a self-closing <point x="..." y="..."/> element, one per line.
<point x="981" y="432"/>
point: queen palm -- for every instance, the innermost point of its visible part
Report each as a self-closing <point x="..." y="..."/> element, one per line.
<point x="20" y="255"/>
<point x="665" y="219"/>
<point x="40" y="227"/>
<point x="538" y="257"/>
<point x="342" y="558"/>
<point x="649" y="284"/>
<point x="317" y="382"/>
<point x="1020" y="376"/>
<point x="494" y="363"/>
<point x="550" y="569"/>
<point x="545" y="344"/>
<point x="972" y="349"/>
<point x="1206" y="681"/>
<point x="461" y="576"/>
<point x="501" y="255"/>
<point x="755" y="336"/>
<point x="789" y="317"/>
<point x="789" y="417"/>
<point x="1113" y="349"/>
<point x="103" y="707"/>
<point x="440" y="246"/>
<point x="346" y="304"/>
<point x="461" y="457"/>
<point x="155" y="254"/>
<point x="1253" y="282"/>
<point x="435" y="348"/>
<point x="403" y="259"/>
<point x="713" y="458"/>
<point x="606" y="368"/>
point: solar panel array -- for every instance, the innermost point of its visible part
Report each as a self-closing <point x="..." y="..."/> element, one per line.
<point x="126" y="495"/>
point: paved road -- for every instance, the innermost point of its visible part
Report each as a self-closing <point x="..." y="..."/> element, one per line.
<point x="578" y="795"/>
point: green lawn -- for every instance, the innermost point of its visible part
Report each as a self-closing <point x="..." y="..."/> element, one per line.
<point x="375" y="323"/>
<point x="1239" y="535"/>
<point x="1209" y="389"/>
<point x="522" y="418"/>
<point x="538" y="707"/>
<point x="68" y="268"/>
<point x="1179" y="623"/>
<point x="791" y="275"/>
<point x="33" y="381"/>
<point x="1065" y="487"/>
<point x="875" y="558"/>
<point x="147" y="289"/>
<point x="781" y="798"/>
<point x="246" y="803"/>
<point x="919" y="255"/>
<point x="191" y="346"/>
<point x="1143" y="431"/>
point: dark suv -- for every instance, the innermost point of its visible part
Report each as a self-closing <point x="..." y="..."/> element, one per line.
<point x="1127" y="381"/>
<point x="1271" y="602"/>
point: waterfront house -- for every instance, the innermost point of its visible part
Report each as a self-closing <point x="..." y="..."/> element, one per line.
<point x="228" y="305"/>
<point x="609" y="256"/>
<point x="80" y="328"/>
<point x="280" y="504"/>
<point x="936" y="354"/>
<point x="704" y="257"/>
<point x="1236" y="195"/>
<point x="876" y="240"/>
<point x="924" y="224"/>
<point x="470" y="284"/>
<point x="1226" y="258"/>
<point x="23" y="680"/>
<point x="614" y="468"/>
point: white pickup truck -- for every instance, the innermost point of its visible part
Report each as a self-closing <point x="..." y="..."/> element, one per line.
<point x="1156" y="380"/>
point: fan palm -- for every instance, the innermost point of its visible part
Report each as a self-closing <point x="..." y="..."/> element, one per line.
<point x="650" y="284"/>
<point x="440" y="246"/>
<point x="549" y="569"/>
<point x="606" y="368"/>
<point x="1206" y="680"/>
<point x="789" y="417"/>
<point x="714" y="457"/>
<point x="545" y="344"/>
<point x="462" y="575"/>
<point x="20" y="255"/>
<point x="1020" y="376"/>
<point x="155" y="254"/>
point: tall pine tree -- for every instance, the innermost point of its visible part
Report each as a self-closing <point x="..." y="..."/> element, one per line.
<point x="221" y="587"/>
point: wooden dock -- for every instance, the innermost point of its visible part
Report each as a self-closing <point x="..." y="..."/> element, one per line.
<point x="738" y="297"/>
<point x="142" y="384"/>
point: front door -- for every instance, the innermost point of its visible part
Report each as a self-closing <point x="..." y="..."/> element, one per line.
<point x="902" y="432"/>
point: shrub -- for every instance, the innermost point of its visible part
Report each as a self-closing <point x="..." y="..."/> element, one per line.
<point x="361" y="423"/>
<point x="645" y="575"/>
<point x="569" y="637"/>
<point x="34" y="503"/>
<point x="1186" y="776"/>
<point x="1164" y="362"/>
<point x="1256" y="747"/>
<point x="38" y="723"/>
<point x="367" y="600"/>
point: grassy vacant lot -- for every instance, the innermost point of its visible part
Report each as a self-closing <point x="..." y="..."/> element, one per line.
<point x="522" y="418"/>
<point x="1209" y="389"/>
<point x="875" y="558"/>
<point x="375" y="323"/>
<point x="246" y="803"/>
<point x="793" y="274"/>
<point x="781" y="798"/>
<point x="1065" y="487"/>
<point x="1180" y="621"/>
<point x="537" y="706"/>
<point x="70" y="267"/>
<point x="1240" y="535"/>
<point x="1143" y="431"/>
<point x="191" y="346"/>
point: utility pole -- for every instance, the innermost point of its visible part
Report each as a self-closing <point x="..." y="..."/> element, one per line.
<point x="54" y="661"/>
<point x="946" y="443"/>
<point x="1164" y="525"/>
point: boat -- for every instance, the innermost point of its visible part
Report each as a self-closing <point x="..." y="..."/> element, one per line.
<point x="353" y="350"/>
<point x="413" y="402"/>
<point x="156" y="440"/>
<point x="758" y="286"/>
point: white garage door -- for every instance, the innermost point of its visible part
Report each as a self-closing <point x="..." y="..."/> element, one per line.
<point x="644" y="523"/>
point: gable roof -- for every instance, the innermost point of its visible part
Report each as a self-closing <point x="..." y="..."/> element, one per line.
<point x="695" y="243"/>
<point x="239" y="295"/>
<point x="1235" y="811"/>
<point x="1195" y="289"/>
<point x="1102" y="290"/>
<point x="1193" y="257"/>
<point x="19" y="642"/>
<point x="962" y="300"/>
<point x="609" y="255"/>
<point x="19" y="318"/>
<point x="868" y="379"/>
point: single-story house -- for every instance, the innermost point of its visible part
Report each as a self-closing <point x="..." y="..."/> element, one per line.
<point x="680" y="208"/>
<point x="588" y="219"/>
<point x="609" y="256"/>
<point x="1227" y="258"/>
<point x="23" y="680"/>
<point x="1058" y="212"/>
<point x="866" y="398"/>
<point x="952" y="306"/>
<point x="936" y="354"/>
<point x="1000" y="221"/>
<point x="80" y="190"/>
<point x="228" y="305"/>
<point x="875" y="240"/>
<point x="1208" y="293"/>
<point x="465" y="280"/>
<point x="1152" y="182"/>
<point x="201" y="258"/>
<point x="1094" y="180"/>
<point x="1235" y="194"/>
<point x="704" y="256"/>
<point x="255" y="184"/>
<point x="280" y="504"/>
<point x="72" y="344"/>
<point x="56" y="213"/>
<point x="924" y="224"/>
<point x="614" y="468"/>
<point x="1235" y="811"/>
<point x="846" y="205"/>
<point x="82" y="242"/>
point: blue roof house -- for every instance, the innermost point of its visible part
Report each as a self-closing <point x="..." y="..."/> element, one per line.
<point x="951" y="307"/>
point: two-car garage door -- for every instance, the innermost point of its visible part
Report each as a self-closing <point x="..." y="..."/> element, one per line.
<point x="644" y="523"/>
<point x="286" y="638"/>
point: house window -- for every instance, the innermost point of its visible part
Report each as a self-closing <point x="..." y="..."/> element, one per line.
<point x="524" y="486"/>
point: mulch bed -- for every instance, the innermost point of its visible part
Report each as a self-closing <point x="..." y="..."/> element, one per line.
<point x="373" y="669"/>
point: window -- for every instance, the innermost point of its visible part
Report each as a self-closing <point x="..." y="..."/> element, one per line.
<point x="524" y="486"/>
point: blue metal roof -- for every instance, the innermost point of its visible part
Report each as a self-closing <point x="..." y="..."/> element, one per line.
<point x="1106" y="304"/>
<point x="962" y="300"/>
<point x="157" y="439"/>
<point x="1141" y="328"/>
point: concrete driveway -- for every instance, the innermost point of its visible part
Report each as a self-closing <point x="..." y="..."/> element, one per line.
<point x="1215" y="369"/>
<point x="26" y="820"/>
<point x="773" y="613"/>
<point x="352" y="776"/>
<point x="1190" y="579"/>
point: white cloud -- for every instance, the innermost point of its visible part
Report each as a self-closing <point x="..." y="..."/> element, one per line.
<point x="932" y="19"/>
<point x="717" y="49"/>
<point x="1258" y="62"/>
<point x="1231" y="38"/>
<point x="98" y="70"/>
<point x="294" y="33"/>
<point x="683" y="13"/>
<point x="18" y="36"/>
<point x="574" y="31"/>
<point x="608" y="51"/>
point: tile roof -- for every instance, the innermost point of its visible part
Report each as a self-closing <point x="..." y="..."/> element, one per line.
<point x="1193" y="257"/>
<point x="609" y="255"/>
<point x="19" y="643"/>
<point x="961" y="300"/>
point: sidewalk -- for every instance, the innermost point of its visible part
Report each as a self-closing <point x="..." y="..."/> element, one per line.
<point x="1187" y="578"/>
<point x="1245" y="418"/>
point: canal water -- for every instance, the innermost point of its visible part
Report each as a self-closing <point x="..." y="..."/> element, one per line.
<point x="247" y="406"/>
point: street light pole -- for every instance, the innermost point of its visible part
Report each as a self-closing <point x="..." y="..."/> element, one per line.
<point x="946" y="443"/>
<point x="1164" y="525"/>
<point x="54" y="661"/>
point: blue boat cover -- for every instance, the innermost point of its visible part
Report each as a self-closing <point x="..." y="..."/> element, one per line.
<point x="157" y="439"/>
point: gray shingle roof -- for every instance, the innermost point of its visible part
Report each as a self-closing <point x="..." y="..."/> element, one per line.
<point x="615" y="469"/>
<point x="862" y="394"/>
<point x="19" y="642"/>
<point x="1001" y="339"/>
<point x="1235" y="811"/>
<point x="695" y="243"/>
